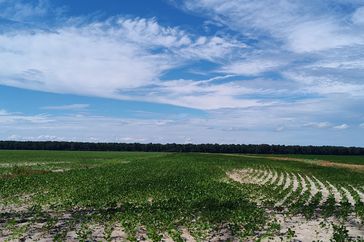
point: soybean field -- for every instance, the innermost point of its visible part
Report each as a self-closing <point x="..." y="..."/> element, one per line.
<point x="136" y="196"/>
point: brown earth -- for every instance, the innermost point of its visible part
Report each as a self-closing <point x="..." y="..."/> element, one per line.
<point x="325" y="163"/>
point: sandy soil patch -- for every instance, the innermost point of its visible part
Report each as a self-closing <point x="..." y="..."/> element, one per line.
<point x="315" y="230"/>
<point x="350" y="198"/>
<point x="260" y="176"/>
<point x="284" y="180"/>
<point x="274" y="178"/>
<point x="223" y="233"/>
<point x="313" y="188"/>
<point x="287" y="181"/>
<point x="295" y="182"/>
<point x="281" y="202"/>
<point x="335" y="192"/>
<point x="268" y="176"/>
<point x="187" y="236"/>
<point x="303" y="184"/>
<point x="323" y="189"/>
<point x="281" y="179"/>
<point x="360" y="194"/>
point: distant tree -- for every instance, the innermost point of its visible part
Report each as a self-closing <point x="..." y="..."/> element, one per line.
<point x="173" y="147"/>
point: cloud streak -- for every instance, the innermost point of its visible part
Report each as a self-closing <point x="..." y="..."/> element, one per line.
<point x="261" y="71"/>
<point x="71" y="107"/>
<point x="95" y="58"/>
<point x="243" y="126"/>
<point x="304" y="26"/>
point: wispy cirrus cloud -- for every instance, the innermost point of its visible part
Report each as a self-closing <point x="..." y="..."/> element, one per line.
<point x="303" y="26"/>
<point x="72" y="107"/>
<point x="251" y="67"/>
<point x="358" y="16"/>
<point x="313" y="47"/>
<point x="8" y="118"/>
<point x="202" y="94"/>
<point x="21" y="10"/>
<point x="256" y="68"/>
<point x="150" y="35"/>
<point x="341" y="126"/>
<point x="242" y="126"/>
<point x="320" y="125"/>
<point x="95" y="58"/>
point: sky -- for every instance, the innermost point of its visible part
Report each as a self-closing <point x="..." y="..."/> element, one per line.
<point x="191" y="71"/>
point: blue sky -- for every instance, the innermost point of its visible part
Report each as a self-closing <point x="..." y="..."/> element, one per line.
<point x="193" y="71"/>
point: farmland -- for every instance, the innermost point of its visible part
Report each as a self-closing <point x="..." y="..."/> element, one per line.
<point x="115" y="196"/>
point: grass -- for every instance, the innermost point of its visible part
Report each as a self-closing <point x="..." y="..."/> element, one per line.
<point x="151" y="193"/>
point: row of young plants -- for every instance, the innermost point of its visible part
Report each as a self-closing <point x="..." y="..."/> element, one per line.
<point x="162" y="195"/>
<point x="300" y="200"/>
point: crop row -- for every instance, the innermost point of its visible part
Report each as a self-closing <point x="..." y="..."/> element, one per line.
<point x="301" y="193"/>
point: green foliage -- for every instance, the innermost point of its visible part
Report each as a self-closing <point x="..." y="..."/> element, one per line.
<point x="341" y="234"/>
<point x="160" y="193"/>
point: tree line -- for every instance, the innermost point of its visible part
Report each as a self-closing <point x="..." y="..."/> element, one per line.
<point x="208" y="148"/>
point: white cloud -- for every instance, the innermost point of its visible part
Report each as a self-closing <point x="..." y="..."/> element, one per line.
<point x="341" y="127"/>
<point x="204" y="94"/>
<point x="101" y="58"/>
<point x="67" y="107"/>
<point x="314" y="52"/>
<point x="125" y="58"/>
<point x="324" y="84"/>
<point x="3" y="112"/>
<point x="319" y="125"/>
<point x="211" y="48"/>
<point x="251" y="67"/>
<point x="320" y="35"/>
<point x="339" y="63"/>
<point x="315" y="41"/>
<point x="248" y="125"/>
<point x="304" y="26"/>
<point x="358" y="16"/>
<point x="149" y="34"/>
<point x="7" y="118"/>
<point x="83" y="60"/>
<point x="20" y="10"/>
<point x="35" y="138"/>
